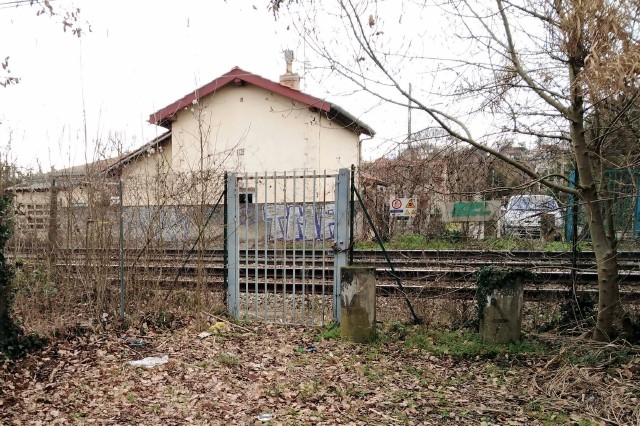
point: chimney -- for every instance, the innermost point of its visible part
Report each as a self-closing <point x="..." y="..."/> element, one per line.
<point x="289" y="78"/>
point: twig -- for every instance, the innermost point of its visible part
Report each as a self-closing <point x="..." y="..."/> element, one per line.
<point x="488" y="410"/>
<point x="384" y="415"/>
<point x="131" y="349"/>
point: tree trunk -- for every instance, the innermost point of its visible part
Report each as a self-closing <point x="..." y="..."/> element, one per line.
<point x="603" y="247"/>
<point x="607" y="261"/>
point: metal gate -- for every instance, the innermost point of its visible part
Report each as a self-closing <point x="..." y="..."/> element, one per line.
<point x="286" y="240"/>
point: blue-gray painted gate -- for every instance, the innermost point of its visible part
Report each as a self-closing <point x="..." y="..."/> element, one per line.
<point x="287" y="238"/>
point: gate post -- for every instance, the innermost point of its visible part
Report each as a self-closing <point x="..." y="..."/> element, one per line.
<point x="341" y="243"/>
<point x="231" y="244"/>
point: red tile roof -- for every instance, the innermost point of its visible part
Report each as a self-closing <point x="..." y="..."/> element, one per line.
<point x="237" y="75"/>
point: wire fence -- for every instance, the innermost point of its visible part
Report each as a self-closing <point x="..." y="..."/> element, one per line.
<point x="80" y="240"/>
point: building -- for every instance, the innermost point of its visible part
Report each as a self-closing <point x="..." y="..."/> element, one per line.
<point x="245" y="123"/>
<point x="239" y="122"/>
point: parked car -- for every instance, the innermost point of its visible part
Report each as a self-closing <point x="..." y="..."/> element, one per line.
<point x="522" y="216"/>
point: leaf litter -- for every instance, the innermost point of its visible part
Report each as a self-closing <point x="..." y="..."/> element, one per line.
<point x="265" y="374"/>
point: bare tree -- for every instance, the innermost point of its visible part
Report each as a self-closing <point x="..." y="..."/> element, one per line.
<point x="508" y="71"/>
<point x="67" y="18"/>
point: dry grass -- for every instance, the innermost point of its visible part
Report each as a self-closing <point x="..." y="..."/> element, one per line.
<point x="241" y="371"/>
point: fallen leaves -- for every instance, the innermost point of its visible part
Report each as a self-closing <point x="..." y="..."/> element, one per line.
<point x="239" y="373"/>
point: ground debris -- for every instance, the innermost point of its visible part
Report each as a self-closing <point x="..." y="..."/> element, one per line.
<point x="258" y="370"/>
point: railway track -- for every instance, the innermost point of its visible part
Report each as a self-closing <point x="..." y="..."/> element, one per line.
<point x="400" y="257"/>
<point x="426" y="273"/>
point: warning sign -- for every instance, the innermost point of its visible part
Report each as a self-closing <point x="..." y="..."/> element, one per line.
<point x="403" y="206"/>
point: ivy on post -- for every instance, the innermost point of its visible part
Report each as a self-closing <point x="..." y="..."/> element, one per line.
<point x="7" y="328"/>
<point x="499" y="293"/>
<point x="13" y="341"/>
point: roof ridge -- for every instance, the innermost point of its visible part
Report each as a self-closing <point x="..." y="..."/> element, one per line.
<point x="163" y="116"/>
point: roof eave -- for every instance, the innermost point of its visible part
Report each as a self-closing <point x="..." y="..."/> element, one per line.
<point x="137" y="153"/>
<point x="341" y="115"/>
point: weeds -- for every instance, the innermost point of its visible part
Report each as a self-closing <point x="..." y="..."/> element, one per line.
<point x="596" y="356"/>
<point x="575" y="314"/>
<point x="330" y="332"/>
<point x="227" y="360"/>
<point x="461" y="345"/>
<point x="20" y="344"/>
<point x="454" y="240"/>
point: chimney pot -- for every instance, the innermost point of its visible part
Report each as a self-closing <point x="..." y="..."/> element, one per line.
<point x="289" y="78"/>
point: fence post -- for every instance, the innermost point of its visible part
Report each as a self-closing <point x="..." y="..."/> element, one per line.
<point x="52" y="235"/>
<point x="231" y="244"/>
<point x="341" y="245"/>
<point x="636" y="223"/>
<point x="123" y="300"/>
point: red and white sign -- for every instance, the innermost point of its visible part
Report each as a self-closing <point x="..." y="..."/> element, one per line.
<point x="403" y="206"/>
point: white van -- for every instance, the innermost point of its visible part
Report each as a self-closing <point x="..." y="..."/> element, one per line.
<point x="523" y="212"/>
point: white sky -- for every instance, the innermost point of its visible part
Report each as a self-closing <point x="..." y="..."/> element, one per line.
<point x="139" y="57"/>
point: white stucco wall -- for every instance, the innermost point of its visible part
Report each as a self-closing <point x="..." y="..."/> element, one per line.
<point x="275" y="132"/>
<point x="149" y="180"/>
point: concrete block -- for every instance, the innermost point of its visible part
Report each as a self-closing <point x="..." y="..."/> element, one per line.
<point x="358" y="303"/>
<point x="501" y="313"/>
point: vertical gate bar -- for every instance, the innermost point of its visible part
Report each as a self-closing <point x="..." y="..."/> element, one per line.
<point x="284" y="246"/>
<point x="304" y="245"/>
<point x="274" y="293"/>
<point x="266" y="244"/>
<point x="246" y="247"/>
<point x="293" y="252"/>
<point x="225" y="237"/>
<point x="256" y="222"/>
<point x="324" y="245"/>
<point x="352" y="207"/>
<point x="341" y="236"/>
<point x="313" y="250"/>
<point x="232" y="245"/>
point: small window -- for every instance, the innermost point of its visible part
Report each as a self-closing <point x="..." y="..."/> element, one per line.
<point x="245" y="198"/>
<point x="240" y="151"/>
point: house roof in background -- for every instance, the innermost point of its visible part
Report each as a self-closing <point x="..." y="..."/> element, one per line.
<point x="148" y="147"/>
<point x="63" y="178"/>
<point x="237" y="75"/>
<point x="369" y="179"/>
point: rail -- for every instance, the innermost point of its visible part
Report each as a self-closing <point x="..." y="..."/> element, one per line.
<point x="426" y="273"/>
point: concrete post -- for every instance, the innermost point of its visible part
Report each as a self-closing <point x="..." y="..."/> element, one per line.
<point x="548" y="230"/>
<point x="358" y="303"/>
<point x="501" y="313"/>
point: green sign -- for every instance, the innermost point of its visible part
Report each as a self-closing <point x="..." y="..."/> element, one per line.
<point x="476" y="208"/>
<point x="470" y="211"/>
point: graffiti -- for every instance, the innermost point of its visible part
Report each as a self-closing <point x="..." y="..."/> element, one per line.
<point x="288" y="222"/>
